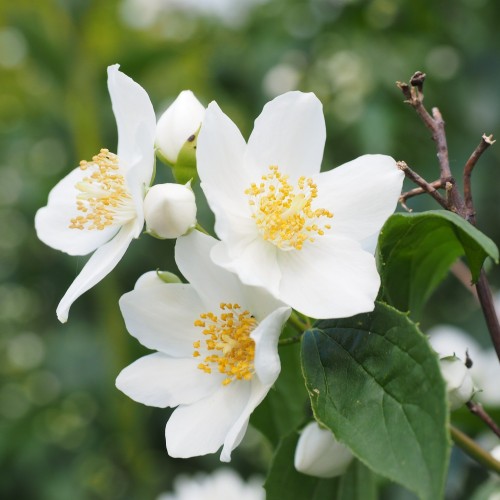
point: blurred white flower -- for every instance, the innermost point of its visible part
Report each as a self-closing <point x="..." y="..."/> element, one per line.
<point x="459" y="385"/>
<point x="99" y="205"/>
<point x="302" y="234"/>
<point x="177" y="124"/>
<point x="217" y="343"/>
<point x="447" y="340"/>
<point x="170" y="210"/>
<point x="319" y="454"/>
<point x="223" y="484"/>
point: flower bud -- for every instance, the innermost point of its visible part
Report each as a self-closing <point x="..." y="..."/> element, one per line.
<point x="458" y="381"/>
<point x="169" y="210"/>
<point x="319" y="454"/>
<point x="177" y="124"/>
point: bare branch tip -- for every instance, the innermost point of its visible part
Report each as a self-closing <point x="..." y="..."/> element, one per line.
<point x="402" y="165"/>
<point x="488" y="139"/>
<point x="418" y="79"/>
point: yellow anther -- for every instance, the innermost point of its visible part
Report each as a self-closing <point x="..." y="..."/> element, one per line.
<point x="283" y="213"/>
<point x="104" y="198"/>
<point x="227" y="342"/>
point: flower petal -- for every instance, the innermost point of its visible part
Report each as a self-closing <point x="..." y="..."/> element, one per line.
<point x="289" y="133"/>
<point x="202" y="427"/>
<point x="52" y="222"/>
<point x="362" y="194"/>
<point x="256" y="264"/>
<point x="102" y="262"/>
<point x="267" y="361"/>
<point x="161" y="381"/>
<point x="162" y="317"/>
<point x="219" y="155"/>
<point x="330" y="278"/>
<point x="135" y="119"/>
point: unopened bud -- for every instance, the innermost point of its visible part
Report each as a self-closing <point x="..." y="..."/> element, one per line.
<point x="169" y="210"/>
<point x="459" y="383"/>
<point x="177" y="124"/>
<point x="319" y="454"/>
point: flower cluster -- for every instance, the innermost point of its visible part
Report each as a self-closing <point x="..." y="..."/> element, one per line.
<point x="290" y="237"/>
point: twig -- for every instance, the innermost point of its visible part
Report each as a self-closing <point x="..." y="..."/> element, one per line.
<point x="420" y="181"/>
<point x="489" y="312"/>
<point x="478" y="410"/>
<point x="418" y="191"/>
<point x="486" y="142"/>
<point x="474" y="450"/>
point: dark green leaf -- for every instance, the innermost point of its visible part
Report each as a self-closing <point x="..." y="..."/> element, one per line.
<point x="283" y="481"/>
<point x="375" y="382"/>
<point x="415" y="252"/>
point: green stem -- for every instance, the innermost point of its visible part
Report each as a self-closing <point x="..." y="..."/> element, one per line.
<point x="299" y="325"/>
<point x="473" y="450"/>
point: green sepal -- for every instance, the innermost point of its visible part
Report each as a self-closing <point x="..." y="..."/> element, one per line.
<point x="168" y="277"/>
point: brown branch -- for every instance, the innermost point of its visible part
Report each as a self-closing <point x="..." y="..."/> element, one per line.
<point x="489" y="312"/>
<point x="478" y="410"/>
<point x="420" y="181"/>
<point x="486" y="142"/>
<point x="418" y="191"/>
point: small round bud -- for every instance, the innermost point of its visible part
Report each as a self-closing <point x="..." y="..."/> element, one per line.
<point x="177" y="125"/>
<point x="319" y="454"/>
<point x="169" y="210"/>
<point x="458" y="381"/>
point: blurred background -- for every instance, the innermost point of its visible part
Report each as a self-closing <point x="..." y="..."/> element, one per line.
<point x="65" y="431"/>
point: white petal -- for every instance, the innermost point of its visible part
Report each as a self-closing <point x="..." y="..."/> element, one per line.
<point x="256" y="264"/>
<point x="319" y="454"/>
<point x="201" y="428"/>
<point x="158" y="380"/>
<point x="136" y="122"/>
<point x="330" y="278"/>
<point x="237" y="431"/>
<point x="162" y="317"/>
<point x="362" y="194"/>
<point x="212" y="283"/>
<point x="52" y="222"/>
<point x="180" y="120"/>
<point x="290" y="133"/>
<point x="267" y="361"/>
<point x="102" y="262"/>
<point x="219" y="156"/>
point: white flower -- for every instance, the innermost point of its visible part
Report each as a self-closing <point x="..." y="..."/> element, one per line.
<point x="222" y="484"/>
<point x="447" y="340"/>
<point x="181" y="120"/>
<point x="99" y="205"/>
<point x="217" y="350"/>
<point x="170" y="210"/>
<point x="304" y="235"/>
<point x="459" y="385"/>
<point x="319" y="454"/>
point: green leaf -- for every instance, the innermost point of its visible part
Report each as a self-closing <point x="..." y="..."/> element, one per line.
<point x="283" y="481"/>
<point x="286" y="405"/>
<point x="374" y="381"/>
<point x="415" y="252"/>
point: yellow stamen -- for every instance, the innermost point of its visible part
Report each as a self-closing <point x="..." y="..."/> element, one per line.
<point x="283" y="213"/>
<point x="228" y="336"/>
<point x="104" y="198"/>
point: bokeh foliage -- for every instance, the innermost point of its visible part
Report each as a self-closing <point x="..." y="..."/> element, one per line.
<point x="65" y="431"/>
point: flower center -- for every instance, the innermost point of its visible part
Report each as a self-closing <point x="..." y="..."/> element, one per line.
<point x="104" y="198"/>
<point x="229" y="347"/>
<point x="283" y="213"/>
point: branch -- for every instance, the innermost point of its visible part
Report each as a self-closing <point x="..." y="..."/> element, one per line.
<point x="474" y="450"/>
<point x="486" y="142"/>
<point x="478" y="410"/>
<point x="420" y="181"/>
<point x="490" y="315"/>
<point x="418" y="191"/>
